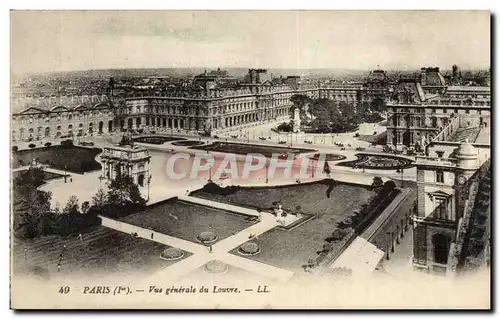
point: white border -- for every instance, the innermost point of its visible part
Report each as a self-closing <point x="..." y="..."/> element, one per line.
<point x="189" y="4"/>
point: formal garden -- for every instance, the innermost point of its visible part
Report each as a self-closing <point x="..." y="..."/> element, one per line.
<point x="188" y="221"/>
<point x="65" y="157"/>
<point x="330" y="116"/>
<point x="385" y="162"/>
<point x="100" y="252"/>
<point x="330" y="202"/>
<point x="327" y="157"/>
<point x="188" y="143"/>
<point x="157" y="140"/>
<point x="244" y="149"/>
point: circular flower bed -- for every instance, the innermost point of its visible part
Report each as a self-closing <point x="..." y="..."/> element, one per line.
<point x="370" y="161"/>
<point x="249" y="249"/>
<point x="216" y="267"/>
<point x="172" y="254"/>
<point x="207" y="237"/>
<point x="188" y="143"/>
<point x="328" y="157"/>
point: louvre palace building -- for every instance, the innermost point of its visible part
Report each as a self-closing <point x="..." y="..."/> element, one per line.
<point x="213" y="102"/>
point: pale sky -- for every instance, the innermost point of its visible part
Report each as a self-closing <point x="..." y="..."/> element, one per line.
<point x="79" y="40"/>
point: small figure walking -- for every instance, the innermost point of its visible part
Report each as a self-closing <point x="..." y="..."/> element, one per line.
<point x="58" y="267"/>
<point x="210" y="249"/>
<point x="152" y="234"/>
<point x="80" y="237"/>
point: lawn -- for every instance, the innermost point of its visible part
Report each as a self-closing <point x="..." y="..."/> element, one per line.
<point x="67" y="158"/>
<point x="292" y="249"/>
<point x="102" y="252"/>
<point x="186" y="220"/>
<point x="47" y="176"/>
<point x="157" y="139"/>
<point x="243" y="149"/>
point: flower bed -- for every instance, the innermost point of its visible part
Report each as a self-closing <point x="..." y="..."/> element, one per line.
<point x="207" y="237"/>
<point x="328" y="157"/>
<point x="158" y="140"/>
<point x="249" y="249"/>
<point x="369" y="161"/>
<point x="216" y="267"/>
<point x="172" y="254"/>
<point x="188" y="143"/>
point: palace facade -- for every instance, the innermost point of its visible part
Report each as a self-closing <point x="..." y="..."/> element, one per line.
<point x="452" y="224"/>
<point x="212" y="103"/>
<point x="35" y="117"/>
<point x="421" y="107"/>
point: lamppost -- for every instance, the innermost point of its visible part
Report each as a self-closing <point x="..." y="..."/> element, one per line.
<point x="267" y="168"/>
<point x="402" y="178"/>
<point x="149" y="182"/>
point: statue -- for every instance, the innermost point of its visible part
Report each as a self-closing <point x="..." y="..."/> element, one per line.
<point x="296" y="121"/>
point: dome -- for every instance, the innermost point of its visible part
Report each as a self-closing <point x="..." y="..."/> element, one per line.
<point x="466" y="150"/>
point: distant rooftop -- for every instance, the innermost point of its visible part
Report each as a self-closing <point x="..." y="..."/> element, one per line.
<point x="465" y="88"/>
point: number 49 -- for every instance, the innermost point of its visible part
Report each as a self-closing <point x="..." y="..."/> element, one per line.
<point x="64" y="290"/>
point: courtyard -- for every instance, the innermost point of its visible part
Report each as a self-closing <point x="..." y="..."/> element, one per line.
<point x="66" y="158"/>
<point x="187" y="220"/>
<point x="292" y="249"/>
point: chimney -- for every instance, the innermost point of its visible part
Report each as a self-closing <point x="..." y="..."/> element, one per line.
<point x="423" y="76"/>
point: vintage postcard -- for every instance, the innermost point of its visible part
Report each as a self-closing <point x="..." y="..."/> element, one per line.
<point x="250" y="159"/>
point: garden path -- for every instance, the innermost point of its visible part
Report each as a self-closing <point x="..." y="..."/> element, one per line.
<point x="202" y="255"/>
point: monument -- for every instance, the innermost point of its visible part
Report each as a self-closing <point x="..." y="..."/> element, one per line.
<point x="296" y="121"/>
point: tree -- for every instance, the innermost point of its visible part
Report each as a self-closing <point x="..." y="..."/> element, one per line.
<point x="377" y="182"/>
<point x="15" y="148"/>
<point x="32" y="145"/>
<point x="29" y="206"/>
<point x="85" y="207"/>
<point x="123" y="190"/>
<point x="72" y="206"/>
<point x="99" y="199"/>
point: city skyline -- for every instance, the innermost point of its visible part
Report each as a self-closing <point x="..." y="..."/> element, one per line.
<point x="349" y="40"/>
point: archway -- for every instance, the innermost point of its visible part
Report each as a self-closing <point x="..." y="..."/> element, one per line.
<point x="110" y="126"/>
<point x="140" y="180"/>
<point x="441" y="246"/>
<point x="91" y="128"/>
<point x="118" y="171"/>
<point x="47" y="131"/>
<point x="130" y="124"/>
<point x="101" y="124"/>
<point x="138" y="122"/>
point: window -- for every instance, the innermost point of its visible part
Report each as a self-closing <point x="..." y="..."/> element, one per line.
<point x="440" y="243"/>
<point x="440" y="208"/>
<point x="467" y="111"/>
<point x="440" y="154"/>
<point x="445" y="111"/>
<point x="439" y="174"/>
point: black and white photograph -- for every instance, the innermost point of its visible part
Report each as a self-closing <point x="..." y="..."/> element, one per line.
<point x="250" y="159"/>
